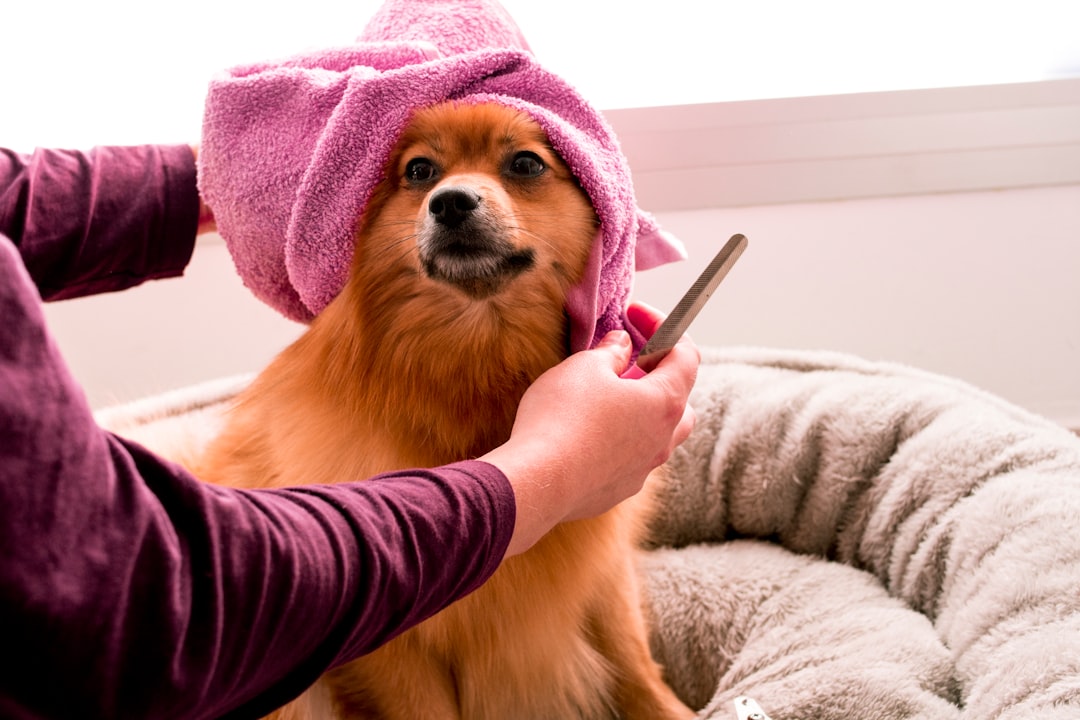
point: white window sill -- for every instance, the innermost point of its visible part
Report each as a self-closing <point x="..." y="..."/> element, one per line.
<point x="762" y="152"/>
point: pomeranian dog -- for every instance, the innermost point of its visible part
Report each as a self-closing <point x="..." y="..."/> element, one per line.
<point x="454" y="305"/>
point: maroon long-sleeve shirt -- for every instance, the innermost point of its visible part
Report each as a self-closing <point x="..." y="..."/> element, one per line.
<point x="128" y="589"/>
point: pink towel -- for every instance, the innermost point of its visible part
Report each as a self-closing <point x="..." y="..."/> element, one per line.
<point x="292" y="150"/>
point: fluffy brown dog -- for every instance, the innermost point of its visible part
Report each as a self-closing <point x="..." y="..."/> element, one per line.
<point x="453" y="307"/>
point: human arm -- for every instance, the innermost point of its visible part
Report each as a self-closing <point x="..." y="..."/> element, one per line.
<point x="130" y="589"/>
<point x="127" y="587"/>
<point x="102" y="220"/>
<point x="138" y="591"/>
<point x="169" y="191"/>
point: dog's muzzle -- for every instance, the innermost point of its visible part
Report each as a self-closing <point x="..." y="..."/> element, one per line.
<point x="465" y="242"/>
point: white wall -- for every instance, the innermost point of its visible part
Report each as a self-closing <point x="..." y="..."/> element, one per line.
<point x="83" y="72"/>
<point x="982" y="286"/>
<point x="169" y="333"/>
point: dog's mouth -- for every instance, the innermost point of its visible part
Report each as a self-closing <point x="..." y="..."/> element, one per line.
<point x="474" y="267"/>
<point x="464" y="243"/>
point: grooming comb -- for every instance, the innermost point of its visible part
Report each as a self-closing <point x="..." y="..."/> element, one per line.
<point x="676" y="324"/>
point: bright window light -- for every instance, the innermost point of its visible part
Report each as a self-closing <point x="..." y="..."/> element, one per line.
<point x="687" y="51"/>
<point x="118" y="71"/>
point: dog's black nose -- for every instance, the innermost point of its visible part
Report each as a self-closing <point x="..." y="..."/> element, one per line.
<point x="450" y="206"/>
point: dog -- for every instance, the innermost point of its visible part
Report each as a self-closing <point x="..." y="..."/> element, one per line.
<point x="454" y="305"/>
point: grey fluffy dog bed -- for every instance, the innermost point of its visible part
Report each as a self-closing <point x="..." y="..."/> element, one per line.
<point x="844" y="539"/>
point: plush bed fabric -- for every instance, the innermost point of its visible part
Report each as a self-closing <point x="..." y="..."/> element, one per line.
<point x="844" y="539"/>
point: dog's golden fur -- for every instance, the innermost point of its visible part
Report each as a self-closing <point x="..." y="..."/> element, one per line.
<point x="420" y="361"/>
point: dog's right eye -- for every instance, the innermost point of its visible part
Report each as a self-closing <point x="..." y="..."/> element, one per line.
<point x="420" y="170"/>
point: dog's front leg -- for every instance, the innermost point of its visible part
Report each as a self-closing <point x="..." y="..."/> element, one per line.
<point x="400" y="681"/>
<point x="620" y="634"/>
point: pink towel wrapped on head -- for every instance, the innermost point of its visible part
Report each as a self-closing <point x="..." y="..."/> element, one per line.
<point x="292" y="150"/>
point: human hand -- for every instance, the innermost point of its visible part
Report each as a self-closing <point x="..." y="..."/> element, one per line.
<point x="585" y="439"/>
<point x="207" y="223"/>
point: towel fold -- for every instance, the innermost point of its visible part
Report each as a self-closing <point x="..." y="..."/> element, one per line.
<point x="293" y="149"/>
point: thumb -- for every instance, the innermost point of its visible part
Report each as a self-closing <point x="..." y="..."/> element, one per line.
<point x="617" y="346"/>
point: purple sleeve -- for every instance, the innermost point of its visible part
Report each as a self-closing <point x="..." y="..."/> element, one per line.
<point x="102" y="220"/>
<point x="130" y="589"/>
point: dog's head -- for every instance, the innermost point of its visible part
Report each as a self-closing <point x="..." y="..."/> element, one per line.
<point x="477" y="211"/>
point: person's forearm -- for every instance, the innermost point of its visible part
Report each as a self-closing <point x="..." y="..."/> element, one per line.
<point x="103" y="220"/>
<point x="130" y="589"/>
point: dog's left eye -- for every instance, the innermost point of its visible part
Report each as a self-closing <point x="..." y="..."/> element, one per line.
<point x="420" y="170"/>
<point x="526" y="164"/>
